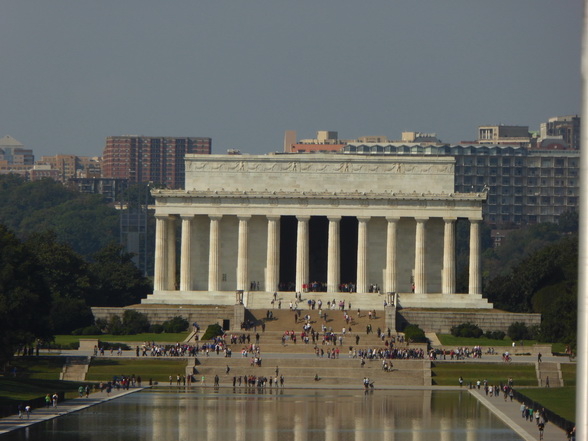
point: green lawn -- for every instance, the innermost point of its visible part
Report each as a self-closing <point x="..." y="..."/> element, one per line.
<point x="568" y="372"/>
<point x="447" y="374"/>
<point x="15" y="390"/>
<point x="38" y="368"/>
<point x="158" y="370"/>
<point x="138" y="338"/>
<point x="450" y="340"/>
<point x="561" y="400"/>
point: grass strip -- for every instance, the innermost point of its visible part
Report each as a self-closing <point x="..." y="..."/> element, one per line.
<point x="447" y="374"/>
<point x="561" y="400"/>
<point x="147" y="368"/>
<point x="138" y="338"/>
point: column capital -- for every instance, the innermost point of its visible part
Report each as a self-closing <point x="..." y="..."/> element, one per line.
<point x="162" y="216"/>
<point x="449" y="219"/>
<point x="187" y="216"/>
<point x="273" y="217"/>
<point x="216" y="217"/>
<point x="334" y="218"/>
<point x="392" y="218"/>
<point x="244" y="217"/>
<point x="421" y="220"/>
<point x="365" y="219"/>
<point x="475" y="220"/>
<point x="303" y="218"/>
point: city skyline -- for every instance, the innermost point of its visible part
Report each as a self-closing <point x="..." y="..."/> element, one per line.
<point x="75" y="74"/>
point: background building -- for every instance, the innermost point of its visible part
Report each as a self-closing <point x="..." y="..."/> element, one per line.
<point x="150" y="159"/>
<point x="524" y="186"/>
<point x="566" y="128"/>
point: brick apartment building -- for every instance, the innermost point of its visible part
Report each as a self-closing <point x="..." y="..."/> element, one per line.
<point x="150" y="159"/>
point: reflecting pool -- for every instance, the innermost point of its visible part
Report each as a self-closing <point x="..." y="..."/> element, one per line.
<point x="166" y="414"/>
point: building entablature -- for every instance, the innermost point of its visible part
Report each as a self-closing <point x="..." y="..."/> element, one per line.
<point x="177" y="202"/>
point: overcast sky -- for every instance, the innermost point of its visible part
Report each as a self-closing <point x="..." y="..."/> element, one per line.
<point x="242" y="72"/>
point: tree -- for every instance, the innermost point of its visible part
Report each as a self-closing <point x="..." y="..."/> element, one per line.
<point x="67" y="276"/>
<point x="117" y="281"/>
<point x="25" y="299"/>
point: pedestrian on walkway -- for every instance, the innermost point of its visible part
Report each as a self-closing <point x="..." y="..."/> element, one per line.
<point x="20" y="409"/>
<point x="28" y="411"/>
<point x="541" y="428"/>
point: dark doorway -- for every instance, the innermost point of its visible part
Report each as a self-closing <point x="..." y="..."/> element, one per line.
<point x="318" y="245"/>
<point x="348" y="249"/>
<point x="288" y="227"/>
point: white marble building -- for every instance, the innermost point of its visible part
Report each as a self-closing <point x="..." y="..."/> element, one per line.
<point x="289" y="220"/>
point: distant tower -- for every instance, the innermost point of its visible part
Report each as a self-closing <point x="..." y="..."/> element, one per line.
<point x="289" y="140"/>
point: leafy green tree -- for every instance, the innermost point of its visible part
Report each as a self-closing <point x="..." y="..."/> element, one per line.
<point x="25" y="299"/>
<point x="67" y="275"/>
<point x="117" y="281"/>
<point x="134" y="322"/>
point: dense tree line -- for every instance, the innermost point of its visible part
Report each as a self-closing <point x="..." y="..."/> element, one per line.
<point x="536" y="270"/>
<point x="47" y="288"/>
<point x="84" y="221"/>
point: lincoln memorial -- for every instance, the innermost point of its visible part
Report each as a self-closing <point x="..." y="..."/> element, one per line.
<point x="329" y="225"/>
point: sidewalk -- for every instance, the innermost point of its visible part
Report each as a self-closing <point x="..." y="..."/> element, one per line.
<point x="510" y="414"/>
<point x="12" y="422"/>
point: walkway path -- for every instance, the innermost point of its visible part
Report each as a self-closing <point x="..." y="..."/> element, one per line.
<point x="41" y="414"/>
<point x="510" y="413"/>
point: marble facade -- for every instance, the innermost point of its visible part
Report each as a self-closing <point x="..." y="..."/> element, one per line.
<point x="230" y="214"/>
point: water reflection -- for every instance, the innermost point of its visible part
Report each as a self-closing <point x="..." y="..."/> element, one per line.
<point x="285" y="415"/>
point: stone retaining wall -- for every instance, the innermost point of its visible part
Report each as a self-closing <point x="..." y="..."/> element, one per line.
<point x="442" y="321"/>
<point x="204" y="316"/>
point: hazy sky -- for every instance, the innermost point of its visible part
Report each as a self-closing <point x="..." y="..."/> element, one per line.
<point x="241" y="72"/>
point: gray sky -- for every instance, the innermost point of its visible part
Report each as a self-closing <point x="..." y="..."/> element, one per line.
<point x="241" y="72"/>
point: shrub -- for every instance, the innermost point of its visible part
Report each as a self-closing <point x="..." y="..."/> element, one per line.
<point x="467" y="330"/>
<point x="518" y="331"/>
<point x="107" y="345"/>
<point x="212" y="331"/>
<point x="88" y="330"/>
<point x="134" y="322"/>
<point x="495" y="335"/>
<point x="177" y="324"/>
<point x="115" y="326"/>
<point x="415" y="334"/>
<point x="156" y="329"/>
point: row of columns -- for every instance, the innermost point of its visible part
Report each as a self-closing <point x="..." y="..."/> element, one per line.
<point x="165" y="264"/>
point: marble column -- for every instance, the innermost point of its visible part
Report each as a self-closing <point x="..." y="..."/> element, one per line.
<point x="242" y="268"/>
<point x="448" y="275"/>
<point x="160" y="272"/>
<point x="302" y="252"/>
<point x="362" y="283"/>
<point x="171" y="254"/>
<point x="186" y="254"/>
<point x="334" y="255"/>
<point x="420" y="270"/>
<point x="391" y="278"/>
<point x="272" y="267"/>
<point x="475" y="273"/>
<point x="214" y="253"/>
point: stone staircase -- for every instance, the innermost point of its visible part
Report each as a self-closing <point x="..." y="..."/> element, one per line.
<point x="302" y="371"/>
<point x="298" y="361"/>
<point x="75" y="368"/>
<point x="549" y="370"/>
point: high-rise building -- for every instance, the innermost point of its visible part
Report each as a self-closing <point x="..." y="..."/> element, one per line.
<point x="524" y="186"/>
<point x="150" y="159"/>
